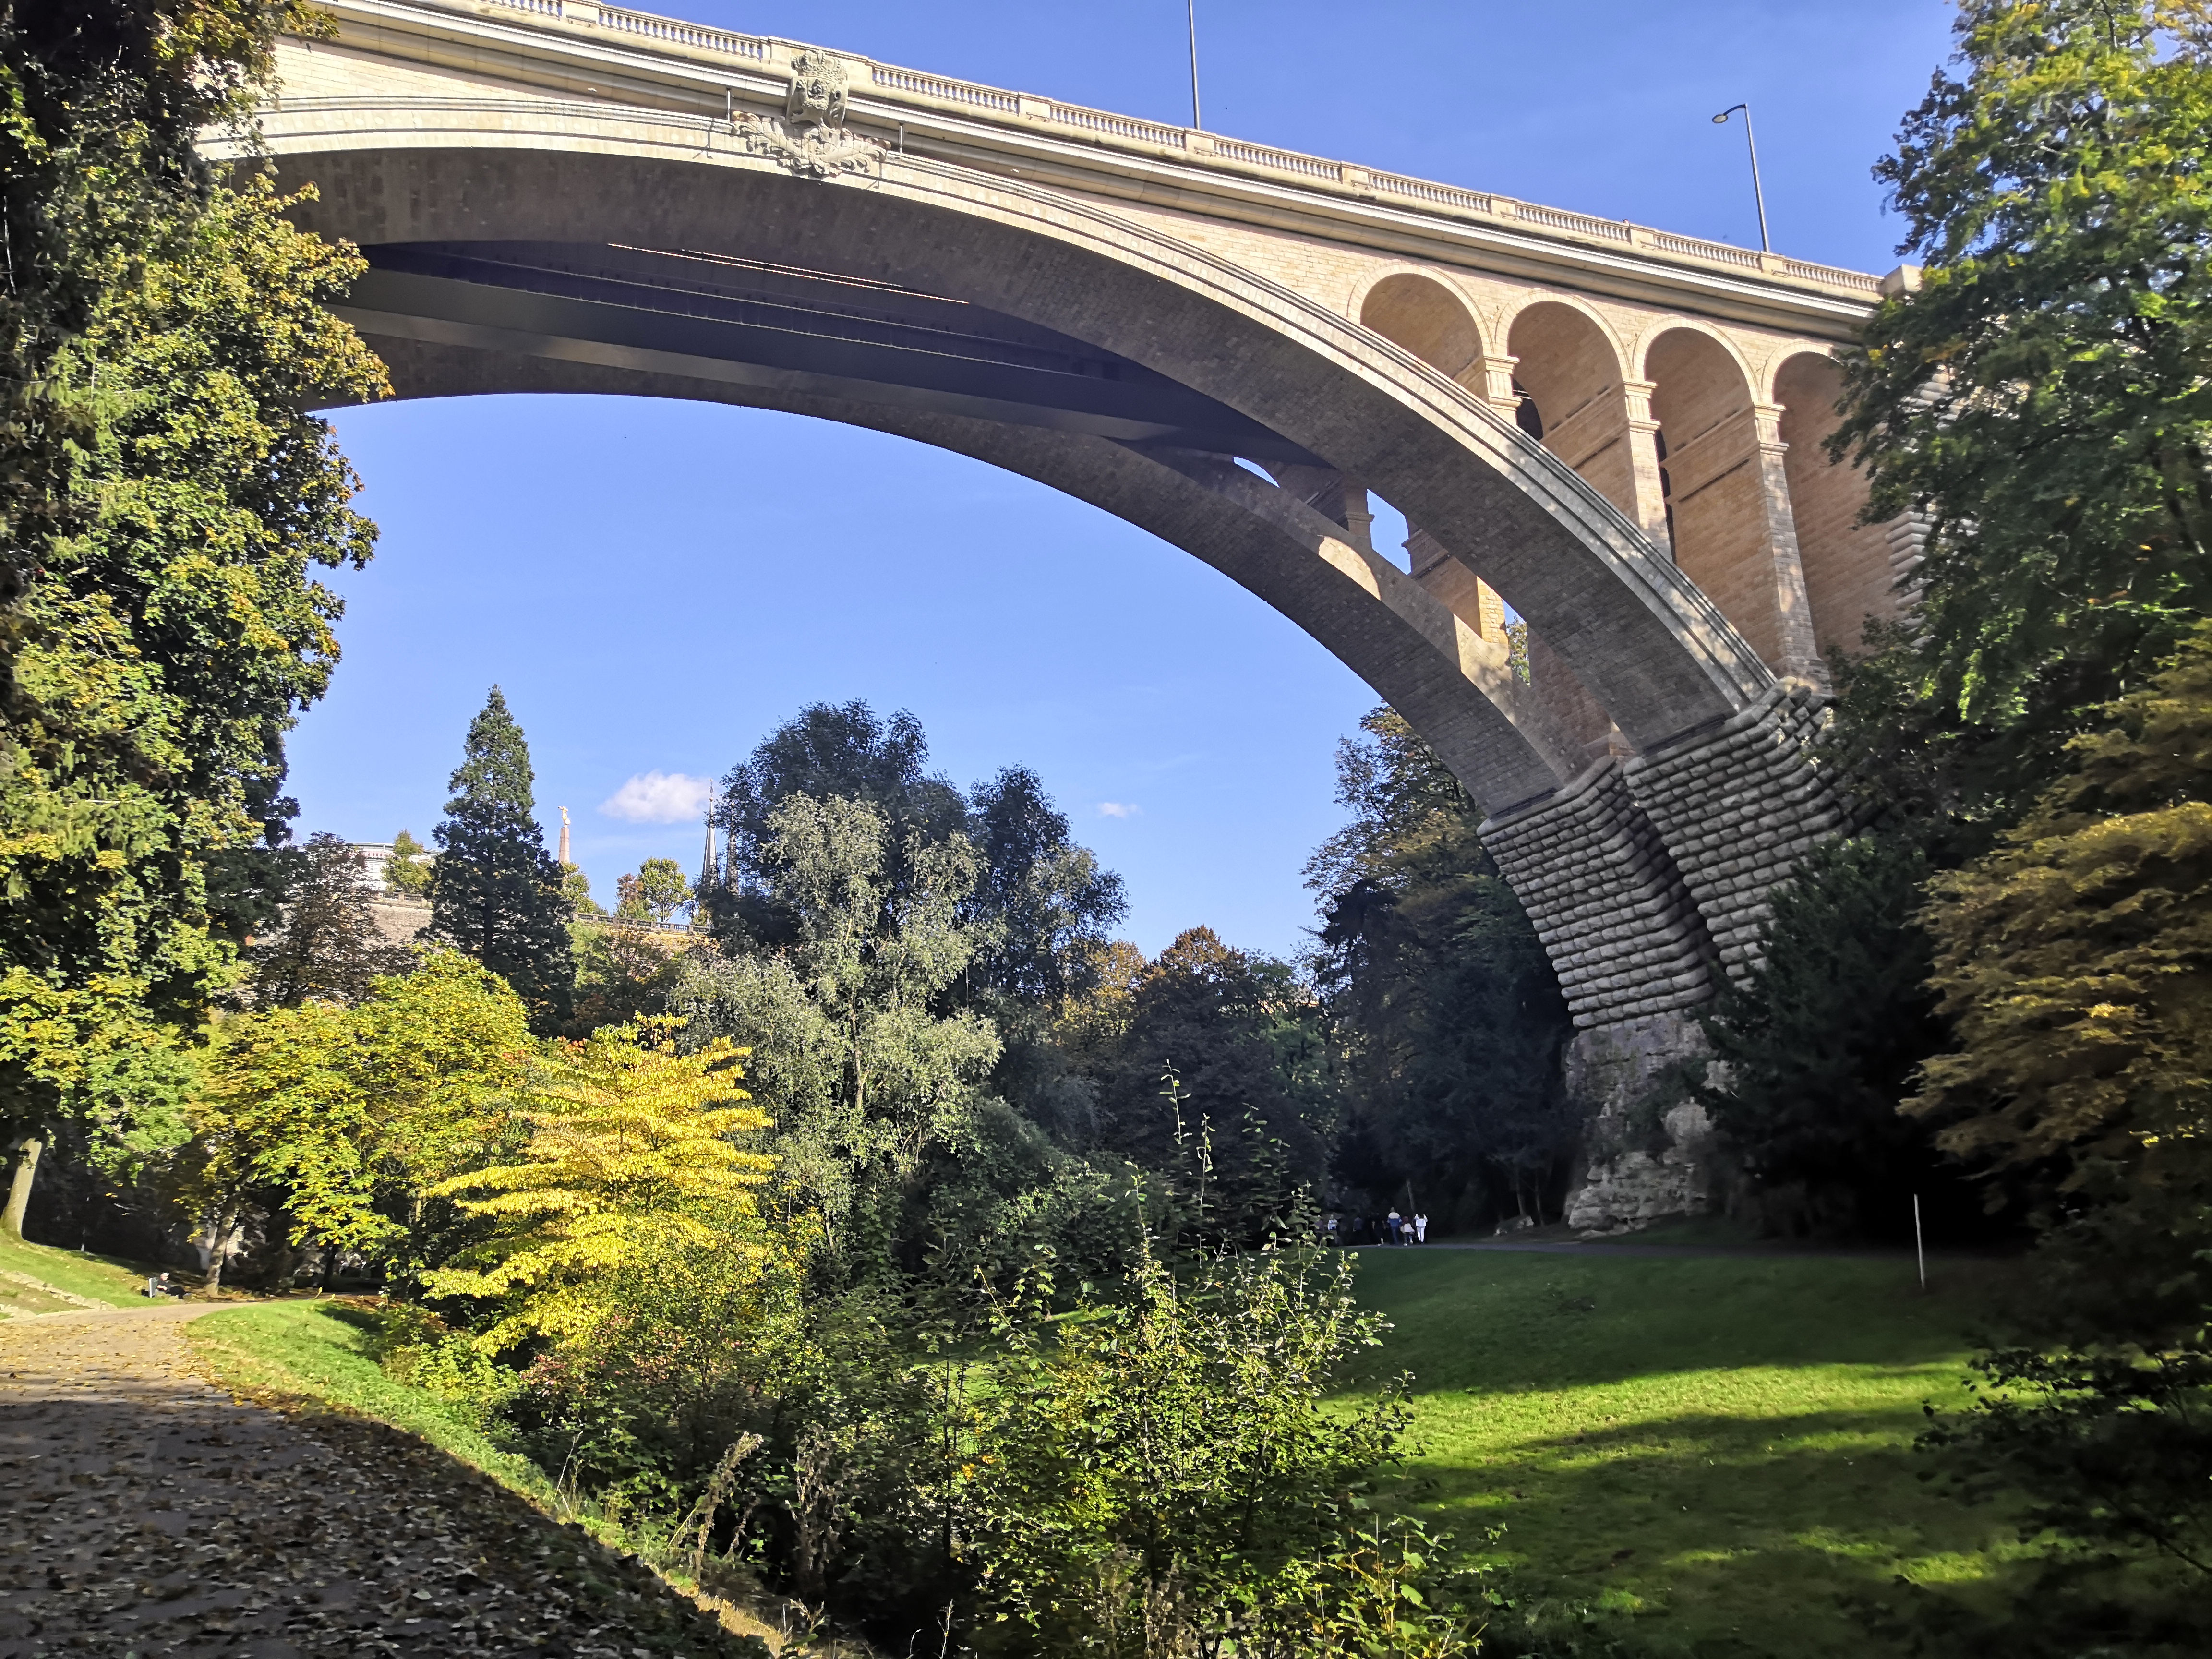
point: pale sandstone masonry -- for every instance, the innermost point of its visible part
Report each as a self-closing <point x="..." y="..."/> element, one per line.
<point x="1646" y="880"/>
<point x="1596" y="879"/>
<point x="1739" y="808"/>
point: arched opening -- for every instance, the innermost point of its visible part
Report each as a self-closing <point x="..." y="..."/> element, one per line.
<point x="1728" y="527"/>
<point x="1569" y="397"/>
<point x="1849" y="578"/>
<point x="1428" y="320"/>
<point x="1567" y="374"/>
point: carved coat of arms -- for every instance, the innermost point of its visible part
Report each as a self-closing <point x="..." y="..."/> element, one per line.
<point x="811" y="138"/>
<point x="817" y="89"/>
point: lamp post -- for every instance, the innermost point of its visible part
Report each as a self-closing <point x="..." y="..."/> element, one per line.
<point x="1190" y="11"/>
<point x="1758" y="194"/>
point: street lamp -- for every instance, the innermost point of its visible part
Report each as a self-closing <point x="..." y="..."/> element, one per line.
<point x="1757" y="195"/>
<point x="1190" y="9"/>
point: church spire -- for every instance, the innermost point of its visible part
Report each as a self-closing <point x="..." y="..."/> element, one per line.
<point x="564" y="838"/>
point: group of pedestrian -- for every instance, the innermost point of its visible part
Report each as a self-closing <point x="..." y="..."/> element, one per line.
<point x="1392" y="1229"/>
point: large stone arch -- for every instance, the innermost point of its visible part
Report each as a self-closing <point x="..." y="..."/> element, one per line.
<point x="1641" y="856"/>
<point x="1452" y="684"/>
<point x="1647" y="642"/>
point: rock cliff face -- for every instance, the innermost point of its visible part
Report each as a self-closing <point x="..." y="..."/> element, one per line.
<point x="1645" y="1160"/>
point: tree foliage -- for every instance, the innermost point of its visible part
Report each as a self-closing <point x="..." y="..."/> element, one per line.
<point x="1822" y="1041"/>
<point x="163" y="501"/>
<point x="630" y="1157"/>
<point x="1039" y="904"/>
<point x="327" y="946"/>
<point x="1168" y="1478"/>
<point x="1043" y="901"/>
<point x="496" y="893"/>
<point x="1218" y="1086"/>
<point x="2076" y="958"/>
<point x="1444" y="1006"/>
<point x="843" y="1021"/>
<point x="331" y="1120"/>
<point x="2076" y="963"/>
<point x="657" y="890"/>
<point x="2041" y="401"/>
<point x="407" y="871"/>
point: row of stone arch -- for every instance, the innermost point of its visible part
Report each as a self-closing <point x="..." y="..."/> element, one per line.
<point x="1722" y="464"/>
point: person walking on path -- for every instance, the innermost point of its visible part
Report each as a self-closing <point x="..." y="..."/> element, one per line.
<point x="1396" y="1223"/>
<point x="1420" y="1228"/>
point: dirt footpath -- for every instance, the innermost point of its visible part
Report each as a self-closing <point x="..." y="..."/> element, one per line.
<point x="145" y="1511"/>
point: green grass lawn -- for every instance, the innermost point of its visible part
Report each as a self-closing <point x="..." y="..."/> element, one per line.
<point x="315" y="1351"/>
<point x="104" y="1279"/>
<point x="1705" y="1455"/>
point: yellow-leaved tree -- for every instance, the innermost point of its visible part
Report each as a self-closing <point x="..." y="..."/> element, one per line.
<point x="630" y="1164"/>
<point x="2076" y="959"/>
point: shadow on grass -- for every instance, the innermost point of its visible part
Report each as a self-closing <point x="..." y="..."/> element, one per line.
<point x="1719" y="1535"/>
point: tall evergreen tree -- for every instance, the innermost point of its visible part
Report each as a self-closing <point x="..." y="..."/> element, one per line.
<point x="495" y="893"/>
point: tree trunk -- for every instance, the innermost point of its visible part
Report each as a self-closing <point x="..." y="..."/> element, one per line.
<point x="218" y="1251"/>
<point x="19" y="1190"/>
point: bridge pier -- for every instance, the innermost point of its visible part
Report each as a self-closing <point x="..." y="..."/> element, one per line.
<point x="1647" y="881"/>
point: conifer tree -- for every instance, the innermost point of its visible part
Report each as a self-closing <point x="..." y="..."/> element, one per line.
<point x="496" y="893"/>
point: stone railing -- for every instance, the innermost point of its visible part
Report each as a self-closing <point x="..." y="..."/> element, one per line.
<point x="1289" y="167"/>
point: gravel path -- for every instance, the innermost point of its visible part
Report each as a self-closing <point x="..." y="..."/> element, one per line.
<point x="144" y="1510"/>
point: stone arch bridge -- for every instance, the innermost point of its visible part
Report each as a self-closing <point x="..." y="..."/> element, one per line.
<point x="1615" y="431"/>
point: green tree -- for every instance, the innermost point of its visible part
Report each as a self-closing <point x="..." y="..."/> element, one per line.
<point x="867" y="1075"/>
<point x="407" y="871"/>
<point x="2041" y="400"/>
<point x="2075" y="962"/>
<point x="1205" y="1089"/>
<point x="622" y="972"/>
<point x="329" y="1122"/>
<point x="328" y="946"/>
<point x="496" y="893"/>
<point x="163" y="326"/>
<point x="1824" y="1039"/>
<point x="1168" y="1477"/>
<point x="629" y="1161"/>
<point x="1445" y="1014"/>
<point x="1039" y="904"/>
<point x="1044" y="902"/>
<point x="827" y="752"/>
<point x="2076" y="959"/>
<point x="658" y="889"/>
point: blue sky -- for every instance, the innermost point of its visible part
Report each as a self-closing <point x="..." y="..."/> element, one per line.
<point x="656" y="585"/>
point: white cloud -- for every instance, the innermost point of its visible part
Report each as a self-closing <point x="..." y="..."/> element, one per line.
<point x="1118" y="809"/>
<point x="659" y="798"/>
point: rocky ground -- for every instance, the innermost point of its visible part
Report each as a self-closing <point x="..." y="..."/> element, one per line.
<point x="145" y="1511"/>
